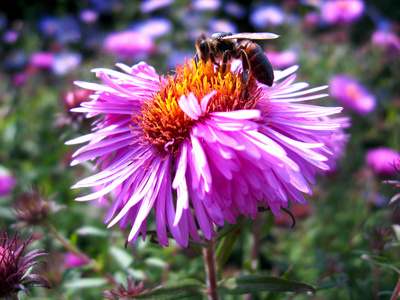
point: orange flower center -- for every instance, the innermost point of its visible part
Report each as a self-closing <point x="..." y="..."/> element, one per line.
<point x="162" y="121"/>
<point x="353" y="92"/>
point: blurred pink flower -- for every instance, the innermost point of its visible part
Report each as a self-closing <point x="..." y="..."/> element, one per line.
<point x="148" y="6"/>
<point x="352" y="94"/>
<point x="88" y="16"/>
<point x="386" y="39"/>
<point x="73" y="261"/>
<point x="42" y="60"/>
<point x="7" y="182"/>
<point x="10" y="36"/>
<point x="341" y="11"/>
<point x="19" y="79"/>
<point x="383" y="160"/>
<point x="281" y="60"/>
<point x="153" y="28"/>
<point x="128" y="44"/>
<point x="337" y="143"/>
<point x="203" y="5"/>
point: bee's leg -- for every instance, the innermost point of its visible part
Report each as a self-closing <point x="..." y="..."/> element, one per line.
<point x="246" y="66"/>
<point x="225" y="59"/>
<point x="212" y="58"/>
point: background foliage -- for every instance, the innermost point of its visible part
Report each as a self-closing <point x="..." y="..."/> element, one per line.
<point x="333" y="240"/>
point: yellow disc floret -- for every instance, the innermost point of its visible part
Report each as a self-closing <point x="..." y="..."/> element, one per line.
<point x="163" y="122"/>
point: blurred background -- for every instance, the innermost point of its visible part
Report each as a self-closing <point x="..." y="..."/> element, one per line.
<point x="344" y="242"/>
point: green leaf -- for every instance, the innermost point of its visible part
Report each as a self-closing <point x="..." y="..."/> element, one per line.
<point x="121" y="257"/>
<point x="6" y="214"/>
<point x="83" y="283"/>
<point x="256" y="283"/>
<point x="276" y="295"/>
<point x="183" y="289"/>
<point x="225" y="247"/>
<point x="91" y="231"/>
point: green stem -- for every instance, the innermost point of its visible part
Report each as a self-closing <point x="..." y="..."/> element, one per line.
<point x="67" y="245"/>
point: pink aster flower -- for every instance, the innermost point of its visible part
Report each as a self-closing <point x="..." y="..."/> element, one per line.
<point x="282" y="59"/>
<point x="383" y="161"/>
<point x="73" y="261"/>
<point x="7" y="182"/>
<point x="42" y="60"/>
<point x="352" y="94"/>
<point x="387" y="40"/>
<point x="201" y="146"/>
<point x="342" y="11"/>
<point x="128" y="44"/>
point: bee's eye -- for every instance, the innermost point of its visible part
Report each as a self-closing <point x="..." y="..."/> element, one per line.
<point x="204" y="46"/>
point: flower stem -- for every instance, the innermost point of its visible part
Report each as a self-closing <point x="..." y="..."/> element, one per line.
<point x="15" y="296"/>
<point x="211" y="271"/>
<point x="254" y="250"/>
<point x="67" y="245"/>
<point x="396" y="291"/>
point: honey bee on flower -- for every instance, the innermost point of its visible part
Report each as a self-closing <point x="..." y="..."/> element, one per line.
<point x="203" y="146"/>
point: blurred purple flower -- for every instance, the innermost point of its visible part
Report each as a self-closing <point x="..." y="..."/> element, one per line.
<point x="342" y="11"/>
<point x="48" y="26"/>
<point x="281" y="60"/>
<point x="88" y="16"/>
<point x="235" y="9"/>
<point x="219" y="147"/>
<point x="32" y="209"/>
<point x="352" y="94"/>
<point x="220" y="25"/>
<point x="10" y="36"/>
<point x="128" y="44"/>
<point x="153" y="28"/>
<point x="42" y="60"/>
<point x="19" y="79"/>
<point x="148" y="6"/>
<point x="311" y="20"/>
<point x="69" y="30"/>
<point x="107" y="6"/>
<point x="337" y="143"/>
<point x="7" y="182"/>
<point x="382" y="160"/>
<point x="202" y="5"/>
<point x="267" y="15"/>
<point x="64" y="62"/>
<point x="73" y="261"/>
<point x="387" y="40"/>
<point x="14" y="60"/>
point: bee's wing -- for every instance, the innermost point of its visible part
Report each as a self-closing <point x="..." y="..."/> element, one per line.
<point x="252" y="36"/>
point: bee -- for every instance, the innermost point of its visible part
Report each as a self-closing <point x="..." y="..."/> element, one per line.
<point x="226" y="46"/>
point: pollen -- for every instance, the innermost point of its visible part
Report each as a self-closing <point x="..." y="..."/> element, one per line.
<point x="162" y="121"/>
